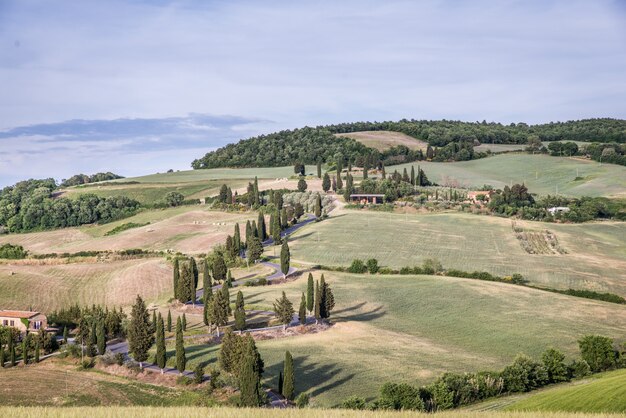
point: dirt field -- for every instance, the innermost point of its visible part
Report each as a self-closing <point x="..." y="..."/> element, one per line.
<point x="383" y="140"/>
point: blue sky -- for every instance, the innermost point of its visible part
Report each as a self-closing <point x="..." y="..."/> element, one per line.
<point x="142" y="86"/>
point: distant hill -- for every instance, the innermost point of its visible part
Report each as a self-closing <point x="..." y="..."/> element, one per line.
<point x="311" y="145"/>
<point x="384" y="140"/>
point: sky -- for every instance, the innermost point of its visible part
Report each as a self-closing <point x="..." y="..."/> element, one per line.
<point x="137" y="87"/>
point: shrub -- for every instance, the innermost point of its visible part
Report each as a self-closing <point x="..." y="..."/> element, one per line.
<point x="357" y="266"/>
<point x="578" y="369"/>
<point x="119" y="359"/>
<point x="524" y="375"/>
<point x="555" y="367"/>
<point x="198" y="373"/>
<point x="598" y="352"/>
<point x="72" y="350"/>
<point x="87" y="364"/>
<point x="372" y="266"/>
<point x="12" y="252"/>
<point x="439" y="396"/>
<point x="302" y="400"/>
<point x="184" y="380"/>
<point x="401" y="396"/>
<point x="353" y="402"/>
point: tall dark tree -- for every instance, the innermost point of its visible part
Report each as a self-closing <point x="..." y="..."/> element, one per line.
<point x="248" y="232"/>
<point x="223" y="196"/>
<point x="298" y="210"/>
<point x="289" y="379"/>
<point x="37" y="349"/>
<point x="327" y="303"/>
<point x="219" y="268"/>
<point x="302" y="186"/>
<point x="365" y="169"/>
<point x="250" y="194"/>
<point x="153" y="322"/>
<point x="284" y="222"/>
<point x="347" y="191"/>
<point x="161" y="352"/>
<point x="196" y="278"/>
<point x="280" y="382"/>
<point x="237" y="239"/>
<point x="253" y="228"/>
<point x="12" y="356"/>
<point x="140" y="339"/>
<point x="176" y="269"/>
<point x="334" y="184"/>
<point x="257" y="200"/>
<point x="319" y="169"/>
<point x="240" y="313"/>
<point x="169" y="320"/>
<point x="285" y="258"/>
<point x="25" y="349"/>
<point x="430" y="153"/>
<point x="413" y="175"/>
<point x="226" y="293"/>
<point x="219" y="311"/>
<point x="326" y="183"/>
<point x="260" y="224"/>
<point x="276" y="229"/>
<point x="302" y="310"/>
<point x="310" y="293"/>
<point x="181" y="358"/>
<point x="90" y="346"/>
<point x="184" y="322"/>
<point x="284" y="310"/>
<point x="383" y="174"/>
<point x="339" y="180"/>
<point x="65" y="334"/>
<point x="185" y="283"/>
<point x="278" y="200"/>
<point x="101" y="338"/>
<point x="318" y="302"/>
<point x="255" y="249"/>
<point x="249" y="383"/>
<point x="405" y="176"/>
<point x="318" y="206"/>
<point x="2" y="360"/>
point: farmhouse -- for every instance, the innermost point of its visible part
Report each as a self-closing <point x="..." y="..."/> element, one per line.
<point x="367" y="198"/>
<point x="23" y="320"/>
<point x="474" y="196"/>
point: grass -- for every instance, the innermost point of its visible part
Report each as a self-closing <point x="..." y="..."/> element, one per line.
<point x="595" y="258"/>
<point x="51" y="286"/>
<point x="383" y="140"/>
<point x="541" y="173"/>
<point x="414" y="328"/>
<point x="602" y="393"/>
<point x="499" y="147"/>
<point x="196" y="412"/>
<point x="53" y="383"/>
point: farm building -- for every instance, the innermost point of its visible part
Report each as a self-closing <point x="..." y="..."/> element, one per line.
<point x="558" y="209"/>
<point x="474" y="196"/>
<point x="367" y="198"/>
<point x="23" y="320"/>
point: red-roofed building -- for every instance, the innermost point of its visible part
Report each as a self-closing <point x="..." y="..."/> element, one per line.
<point x="23" y="320"/>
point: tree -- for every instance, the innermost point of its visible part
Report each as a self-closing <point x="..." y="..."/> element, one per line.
<point x="598" y="352"/>
<point x="284" y="222"/>
<point x="176" y="278"/>
<point x="257" y="199"/>
<point x="289" y="380"/>
<point x="276" y="228"/>
<point x="302" y="186"/>
<point x="223" y="196"/>
<point x="372" y="266"/>
<point x="237" y="239"/>
<point x="326" y="183"/>
<point x="101" y="338"/>
<point x="1" y="354"/>
<point x="12" y="356"/>
<point x="261" y="227"/>
<point x="181" y="358"/>
<point x="280" y="382"/>
<point x="318" y="206"/>
<point x="285" y="258"/>
<point x="327" y="303"/>
<point x="319" y="169"/>
<point x="161" y="352"/>
<point x="347" y="191"/>
<point x="249" y="232"/>
<point x="365" y="169"/>
<point x="383" y="174"/>
<point x="334" y="184"/>
<point x="240" y="313"/>
<point x="249" y="383"/>
<point x="226" y="293"/>
<point x="231" y="352"/>
<point x="318" y="302"/>
<point x="219" y="311"/>
<point x="198" y="373"/>
<point x="298" y="168"/>
<point x="219" y="268"/>
<point x="339" y="180"/>
<point x="37" y="349"/>
<point x="184" y="321"/>
<point x="140" y="339"/>
<point x="169" y="320"/>
<point x="196" y="278"/>
<point x="298" y="210"/>
<point x="310" y="293"/>
<point x="430" y="153"/>
<point x="302" y="310"/>
<point x="553" y="361"/>
<point x="91" y="341"/>
<point x="65" y="334"/>
<point x="405" y="176"/>
<point x="174" y="199"/>
<point x="185" y="283"/>
<point x="284" y="310"/>
<point x="255" y="249"/>
<point x="25" y="354"/>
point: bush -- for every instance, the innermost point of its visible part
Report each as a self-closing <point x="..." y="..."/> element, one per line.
<point x="353" y="402"/>
<point x="184" y="380"/>
<point x="372" y="266"/>
<point x="72" y="350"/>
<point x="598" y="352"/>
<point x="198" y="374"/>
<point x="119" y="359"/>
<point x="524" y="375"/>
<point x="401" y="396"/>
<point x="302" y="400"/>
<point x="108" y="359"/>
<point x="87" y="364"/>
<point x="432" y="266"/>
<point x="12" y="252"/>
<point x="555" y="367"/>
<point x="578" y="369"/>
<point x="357" y="266"/>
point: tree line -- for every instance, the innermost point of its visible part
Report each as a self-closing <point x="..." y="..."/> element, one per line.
<point x="78" y="179"/>
<point x="612" y="153"/>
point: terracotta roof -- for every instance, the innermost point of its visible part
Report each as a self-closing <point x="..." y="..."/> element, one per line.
<point x="18" y="314"/>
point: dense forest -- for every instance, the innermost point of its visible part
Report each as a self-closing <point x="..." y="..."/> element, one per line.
<point x="85" y="179"/>
<point x="455" y="140"/>
<point x="29" y="205"/>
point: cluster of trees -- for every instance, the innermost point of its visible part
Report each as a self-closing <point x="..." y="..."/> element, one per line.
<point x="185" y="279"/>
<point x="613" y="153"/>
<point x="29" y="205"/>
<point x="85" y="179"/>
<point x="454" y="390"/>
<point x="393" y="186"/>
<point x="313" y="145"/>
<point x="12" y="252"/>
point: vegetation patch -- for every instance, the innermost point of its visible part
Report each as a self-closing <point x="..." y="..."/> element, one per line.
<point x="124" y="227"/>
<point x="538" y="242"/>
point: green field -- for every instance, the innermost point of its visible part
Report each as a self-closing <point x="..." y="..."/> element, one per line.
<point x="541" y="173"/>
<point x="601" y="393"/>
<point x="413" y="328"/>
<point x="217" y="174"/>
<point x="595" y="259"/>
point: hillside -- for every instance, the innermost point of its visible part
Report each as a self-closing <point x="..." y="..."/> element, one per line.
<point x="383" y="140"/>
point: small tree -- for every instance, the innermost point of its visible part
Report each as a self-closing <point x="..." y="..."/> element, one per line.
<point x="140" y="337"/>
<point x="284" y="310"/>
<point x="65" y="334"/>
<point x="319" y="169"/>
<point x="598" y="352"/>
<point x="161" y="353"/>
<point x="255" y="249"/>
<point x="260" y="224"/>
<point x="219" y="268"/>
<point x="169" y="320"/>
<point x="310" y="294"/>
<point x="285" y="259"/>
<point x="101" y="338"/>
<point x="219" y="311"/>
<point x="328" y="299"/>
<point x="302" y="310"/>
<point x="326" y="185"/>
<point x="318" y="206"/>
<point x="91" y="341"/>
<point x="184" y="321"/>
<point x="198" y="373"/>
<point x="181" y="358"/>
<point x="289" y="380"/>
<point x="372" y="266"/>
<point x="12" y="356"/>
<point x="25" y="354"/>
<point x="240" y="313"/>
<point x="37" y="348"/>
<point x="553" y="361"/>
<point x="302" y="186"/>
<point x="318" y="302"/>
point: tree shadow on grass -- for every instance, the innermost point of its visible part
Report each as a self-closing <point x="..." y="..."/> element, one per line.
<point x="298" y="237"/>
<point x="313" y="378"/>
<point x="358" y="314"/>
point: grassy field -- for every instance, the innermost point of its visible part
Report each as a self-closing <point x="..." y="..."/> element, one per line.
<point x="499" y="147"/>
<point x="383" y="140"/>
<point x="218" y="174"/>
<point x="413" y="328"/>
<point x="196" y="412"/>
<point x="55" y="383"/>
<point x="46" y="287"/>
<point x="189" y="229"/>
<point x="542" y="174"/>
<point x="595" y="259"/>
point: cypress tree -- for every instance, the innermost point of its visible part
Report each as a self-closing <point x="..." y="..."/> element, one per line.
<point x="413" y="175"/>
<point x="219" y="310"/>
<point x="310" y="294"/>
<point x="248" y="232"/>
<point x="318" y="302"/>
<point x="405" y="176"/>
<point x="169" y="320"/>
<point x="91" y="341"/>
<point x="318" y="206"/>
<point x="1" y="354"/>
<point x="365" y="168"/>
<point x="229" y="279"/>
<point x="302" y="311"/>
<point x="276" y="229"/>
<point x="349" y="166"/>
<point x="289" y="380"/>
<point x="383" y="174"/>
<point x="302" y="186"/>
<point x="319" y="169"/>
<point x="237" y="239"/>
<point x="257" y="200"/>
<point x="285" y="258"/>
<point x="185" y="282"/>
<point x="255" y="249"/>
<point x="65" y="334"/>
<point x="153" y="322"/>
<point x="284" y="222"/>
<point x="327" y="299"/>
<point x="250" y="194"/>
<point x="101" y="338"/>
<point x="194" y="284"/>
<point x="161" y="353"/>
<point x="181" y="359"/>
<point x="347" y="191"/>
<point x="226" y="294"/>
<point x="261" y="227"/>
<point x="12" y="356"/>
<point x="278" y="200"/>
<point x="240" y="313"/>
<point x="176" y="278"/>
<point x="219" y="268"/>
<point x="253" y="229"/>
<point x="37" y="350"/>
<point x="184" y="322"/>
<point x="140" y="339"/>
<point x="25" y="349"/>
<point x="207" y="295"/>
<point x="249" y="384"/>
<point x="284" y="310"/>
<point x="229" y="196"/>
<point x="280" y="382"/>
<point x="334" y="184"/>
<point x="339" y="181"/>
<point x="206" y="277"/>
<point x="326" y="183"/>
